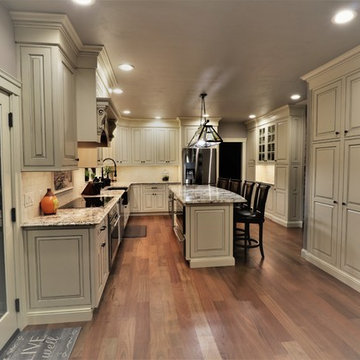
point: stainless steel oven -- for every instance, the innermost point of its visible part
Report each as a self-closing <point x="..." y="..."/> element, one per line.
<point x="114" y="232"/>
<point x="179" y="222"/>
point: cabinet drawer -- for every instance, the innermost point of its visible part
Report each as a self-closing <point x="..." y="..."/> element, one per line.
<point x="153" y="188"/>
<point x="102" y="227"/>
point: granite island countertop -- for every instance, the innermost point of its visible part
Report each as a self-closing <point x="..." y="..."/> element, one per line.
<point x="73" y="217"/>
<point x="204" y="194"/>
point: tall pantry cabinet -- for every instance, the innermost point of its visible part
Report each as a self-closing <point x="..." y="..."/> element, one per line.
<point x="334" y="168"/>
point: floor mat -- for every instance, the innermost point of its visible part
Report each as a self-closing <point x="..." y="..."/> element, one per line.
<point x="51" y="344"/>
<point x="135" y="231"/>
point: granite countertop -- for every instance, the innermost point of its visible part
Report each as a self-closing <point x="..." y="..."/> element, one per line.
<point x="204" y="194"/>
<point x="128" y="183"/>
<point x="73" y="217"/>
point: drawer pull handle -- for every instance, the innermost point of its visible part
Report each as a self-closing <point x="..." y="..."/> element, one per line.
<point x="103" y="228"/>
<point x="103" y="244"/>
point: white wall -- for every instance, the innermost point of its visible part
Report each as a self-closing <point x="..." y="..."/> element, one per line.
<point x="7" y="43"/>
<point x="232" y="129"/>
<point x="35" y="184"/>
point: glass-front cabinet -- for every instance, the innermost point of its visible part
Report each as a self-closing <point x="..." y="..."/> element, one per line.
<point x="267" y="143"/>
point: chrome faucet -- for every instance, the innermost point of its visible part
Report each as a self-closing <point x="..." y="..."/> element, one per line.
<point x="102" y="168"/>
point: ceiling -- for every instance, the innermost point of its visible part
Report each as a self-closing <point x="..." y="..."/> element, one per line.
<point x="247" y="55"/>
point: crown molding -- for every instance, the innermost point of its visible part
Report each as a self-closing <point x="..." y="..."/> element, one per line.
<point x="353" y="54"/>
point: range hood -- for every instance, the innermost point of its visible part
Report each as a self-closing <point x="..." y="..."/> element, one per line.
<point x="106" y="121"/>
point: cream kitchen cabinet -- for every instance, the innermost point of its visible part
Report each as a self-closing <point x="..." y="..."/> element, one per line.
<point x="67" y="268"/>
<point x="280" y="153"/>
<point x="149" y="198"/>
<point x="154" y="198"/>
<point x="187" y="133"/>
<point x="122" y="145"/>
<point x="326" y="111"/>
<point x="167" y="146"/>
<point x="332" y="236"/>
<point x="143" y="146"/>
<point x="135" y="198"/>
<point x="48" y="109"/>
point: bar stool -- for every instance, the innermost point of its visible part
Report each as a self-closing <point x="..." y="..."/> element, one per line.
<point x="256" y="215"/>
<point x="247" y="192"/>
<point x="223" y="183"/>
<point x="235" y="185"/>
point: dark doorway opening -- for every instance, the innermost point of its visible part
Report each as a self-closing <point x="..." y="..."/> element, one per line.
<point x="230" y="160"/>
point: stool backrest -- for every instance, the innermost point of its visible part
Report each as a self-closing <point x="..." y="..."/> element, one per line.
<point x="247" y="191"/>
<point x="223" y="183"/>
<point x="235" y="185"/>
<point x="261" y="194"/>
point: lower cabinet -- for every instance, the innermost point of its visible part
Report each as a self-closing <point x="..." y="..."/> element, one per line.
<point x="149" y="198"/>
<point x="66" y="272"/>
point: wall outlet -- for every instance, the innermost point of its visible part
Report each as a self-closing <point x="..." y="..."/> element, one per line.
<point x="28" y="199"/>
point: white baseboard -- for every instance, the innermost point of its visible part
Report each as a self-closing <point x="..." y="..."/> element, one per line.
<point x="58" y="316"/>
<point x="332" y="270"/>
<point x="150" y="213"/>
<point x="212" y="261"/>
<point x="280" y="221"/>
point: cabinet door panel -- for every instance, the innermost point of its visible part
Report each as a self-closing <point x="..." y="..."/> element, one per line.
<point x="68" y="111"/>
<point x="160" y="203"/>
<point x="326" y="171"/>
<point x="148" y="146"/>
<point x="148" y="201"/>
<point x="280" y="203"/>
<point x="173" y="146"/>
<point x="350" y="244"/>
<point x="136" y="146"/>
<point x="324" y="208"/>
<point x="282" y="142"/>
<point x="281" y="178"/>
<point x="352" y="120"/>
<point x="324" y="224"/>
<point x="251" y="147"/>
<point x="37" y="110"/>
<point x="135" y="198"/>
<point x="327" y="111"/>
<point x="161" y="146"/>
<point x="52" y="283"/>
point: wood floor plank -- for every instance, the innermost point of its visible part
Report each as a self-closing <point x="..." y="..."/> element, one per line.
<point x="156" y="307"/>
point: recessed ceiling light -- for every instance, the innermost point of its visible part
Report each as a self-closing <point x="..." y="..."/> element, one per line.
<point x="84" y="2"/>
<point x="126" y="67"/>
<point x="344" y="16"/>
<point x="295" y="97"/>
<point x="252" y="116"/>
<point x="117" y="91"/>
<point x="126" y="112"/>
<point x="158" y="117"/>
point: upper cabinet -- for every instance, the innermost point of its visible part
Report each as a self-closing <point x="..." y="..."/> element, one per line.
<point x="48" y="108"/>
<point x="143" y="150"/>
<point x="167" y="144"/>
<point x="326" y="110"/>
<point x="352" y="118"/>
<point x="122" y="143"/>
<point x="59" y="105"/>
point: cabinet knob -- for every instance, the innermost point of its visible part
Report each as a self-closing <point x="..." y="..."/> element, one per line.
<point x="337" y="132"/>
<point x="346" y="131"/>
<point x="344" y="203"/>
<point x="335" y="202"/>
<point x="77" y="159"/>
<point x="103" y="244"/>
<point x="103" y="228"/>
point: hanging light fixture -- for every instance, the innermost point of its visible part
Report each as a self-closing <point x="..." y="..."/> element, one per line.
<point x="205" y="136"/>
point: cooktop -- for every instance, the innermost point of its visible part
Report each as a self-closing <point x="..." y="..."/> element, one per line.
<point x="87" y="201"/>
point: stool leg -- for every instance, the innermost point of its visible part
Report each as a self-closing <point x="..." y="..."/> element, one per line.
<point x="261" y="240"/>
<point x="246" y="238"/>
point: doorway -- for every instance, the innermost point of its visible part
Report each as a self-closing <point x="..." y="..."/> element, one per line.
<point x="230" y="160"/>
<point x="8" y="318"/>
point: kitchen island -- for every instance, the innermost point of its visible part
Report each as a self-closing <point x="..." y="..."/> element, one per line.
<point x="203" y="223"/>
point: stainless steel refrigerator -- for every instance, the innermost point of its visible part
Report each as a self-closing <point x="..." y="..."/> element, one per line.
<point x="199" y="166"/>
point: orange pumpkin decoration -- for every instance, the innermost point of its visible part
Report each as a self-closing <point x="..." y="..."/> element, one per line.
<point x="49" y="203"/>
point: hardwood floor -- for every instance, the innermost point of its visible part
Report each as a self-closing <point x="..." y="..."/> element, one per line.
<point x="156" y="307"/>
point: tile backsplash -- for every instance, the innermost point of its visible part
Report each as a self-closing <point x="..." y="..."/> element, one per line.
<point x="34" y="185"/>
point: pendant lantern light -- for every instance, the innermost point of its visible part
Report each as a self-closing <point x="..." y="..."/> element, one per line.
<point x="205" y="136"/>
